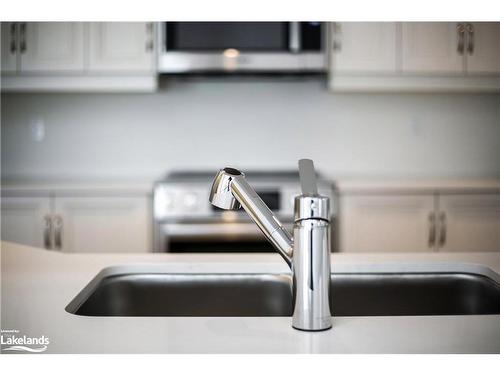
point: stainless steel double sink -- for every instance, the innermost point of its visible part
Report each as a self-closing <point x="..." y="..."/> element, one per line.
<point x="254" y="294"/>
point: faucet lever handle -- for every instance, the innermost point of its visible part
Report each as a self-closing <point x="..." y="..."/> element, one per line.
<point x="307" y="176"/>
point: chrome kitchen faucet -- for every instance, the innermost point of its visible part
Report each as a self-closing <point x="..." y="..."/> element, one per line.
<point x="307" y="253"/>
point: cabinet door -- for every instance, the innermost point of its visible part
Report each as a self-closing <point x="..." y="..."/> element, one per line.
<point x="386" y="223"/>
<point x="51" y="47"/>
<point x="9" y="47"/>
<point x="431" y="47"/>
<point x="103" y="224"/>
<point x="364" y="47"/>
<point x="483" y="52"/>
<point x="121" y="46"/>
<point x="24" y="220"/>
<point x="469" y="222"/>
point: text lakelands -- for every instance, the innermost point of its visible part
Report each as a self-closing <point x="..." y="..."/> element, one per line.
<point x="24" y="340"/>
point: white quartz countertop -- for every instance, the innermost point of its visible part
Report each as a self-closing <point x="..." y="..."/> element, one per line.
<point x="37" y="285"/>
<point x="342" y="185"/>
<point x="417" y="185"/>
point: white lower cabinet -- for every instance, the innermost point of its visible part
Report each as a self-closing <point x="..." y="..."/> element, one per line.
<point x="386" y="223"/>
<point x="379" y="222"/>
<point x="25" y="220"/>
<point x="416" y="223"/>
<point x="469" y="222"/>
<point x="100" y="224"/>
<point x="103" y="224"/>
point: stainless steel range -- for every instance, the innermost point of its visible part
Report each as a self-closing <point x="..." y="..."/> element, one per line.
<point x="184" y="220"/>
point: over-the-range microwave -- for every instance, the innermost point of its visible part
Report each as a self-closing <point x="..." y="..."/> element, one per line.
<point x="186" y="47"/>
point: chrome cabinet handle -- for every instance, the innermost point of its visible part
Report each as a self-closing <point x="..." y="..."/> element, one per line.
<point x="294" y="39"/>
<point x="461" y="38"/>
<point x="47" y="232"/>
<point x="13" y="41"/>
<point x="432" y="229"/>
<point x="22" y="35"/>
<point x="337" y="43"/>
<point x="442" y="229"/>
<point x="58" y="226"/>
<point x="149" y="34"/>
<point x="470" y="39"/>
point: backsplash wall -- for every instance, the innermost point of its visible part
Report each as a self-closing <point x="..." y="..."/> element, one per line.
<point x="262" y="123"/>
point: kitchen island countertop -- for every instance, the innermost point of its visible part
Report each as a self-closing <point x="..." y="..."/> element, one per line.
<point x="37" y="285"/>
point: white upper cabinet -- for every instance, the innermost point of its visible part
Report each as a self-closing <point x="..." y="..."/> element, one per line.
<point x="121" y="46"/>
<point x="9" y="47"/>
<point x="26" y="220"/>
<point x="483" y="47"/>
<point x="363" y="47"/>
<point x="432" y="47"/>
<point x="414" y="57"/>
<point x="51" y="47"/>
<point x="469" y="222"/>
<point x="78" y="57"/>
<point x="102" y="224"/>
<point x="387" y="223"/>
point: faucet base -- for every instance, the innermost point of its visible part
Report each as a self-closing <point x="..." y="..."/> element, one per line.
<point x="312" y="330"/>
<point x="310" y="325"/>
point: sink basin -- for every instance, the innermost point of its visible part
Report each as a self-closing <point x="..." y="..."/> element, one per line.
<point x="242" y="294"/>
<point x="189" y="295"/>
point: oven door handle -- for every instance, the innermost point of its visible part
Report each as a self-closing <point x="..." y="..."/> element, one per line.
<point x="294" y="39"/>
<point x="213" y="230"/>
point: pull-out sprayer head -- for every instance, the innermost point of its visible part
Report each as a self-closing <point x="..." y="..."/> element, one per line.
<point x="220" y="194"/>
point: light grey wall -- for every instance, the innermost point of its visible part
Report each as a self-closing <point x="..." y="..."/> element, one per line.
<point x="250" y="123"/>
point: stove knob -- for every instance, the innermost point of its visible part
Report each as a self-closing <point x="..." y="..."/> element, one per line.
<point x="190" y="200"/>
<point x="163" y="203"/>
<point x="168" y="201"/>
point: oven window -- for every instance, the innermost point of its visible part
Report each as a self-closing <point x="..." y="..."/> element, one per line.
<point x="311" y="36"/>
<point x="270" y="198"/>
<point x="245" y="246"/>
<point x="218" y="36"/>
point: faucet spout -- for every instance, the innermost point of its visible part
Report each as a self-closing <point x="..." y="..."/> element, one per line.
<point x="230" y="191"/>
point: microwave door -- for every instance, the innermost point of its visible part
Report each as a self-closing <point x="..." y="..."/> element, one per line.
<point x="220" y="36"/>
<point x="240" y="46"/>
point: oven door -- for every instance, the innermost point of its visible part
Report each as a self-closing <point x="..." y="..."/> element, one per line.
<point x="241" y="46"/>
<point x="212" y="237"/>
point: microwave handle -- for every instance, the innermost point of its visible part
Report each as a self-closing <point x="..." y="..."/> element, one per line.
<point x="294" y="42"/>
